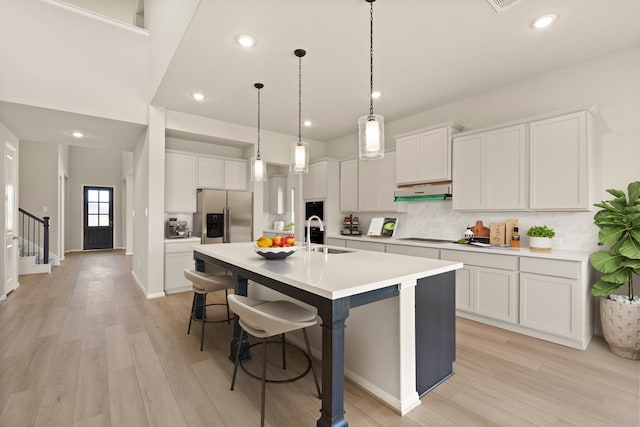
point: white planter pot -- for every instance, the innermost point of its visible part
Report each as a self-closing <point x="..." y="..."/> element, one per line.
<point x="540" y="244"/>
<point x="621" y="327"/>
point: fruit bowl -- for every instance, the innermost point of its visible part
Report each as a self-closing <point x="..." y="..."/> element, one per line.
<point x="275" y="252"/>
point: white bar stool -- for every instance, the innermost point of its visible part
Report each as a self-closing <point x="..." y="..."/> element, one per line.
<point x="265" y="319"/>
<point x="203" y="283"/>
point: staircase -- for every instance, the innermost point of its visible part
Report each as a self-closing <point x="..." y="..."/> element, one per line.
<point x="33" y="249"/>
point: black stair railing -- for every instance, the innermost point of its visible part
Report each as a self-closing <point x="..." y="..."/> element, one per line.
<point x="35" y="236"/>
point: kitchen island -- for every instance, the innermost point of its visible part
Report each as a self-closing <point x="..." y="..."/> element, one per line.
<point x="418" y="349"/>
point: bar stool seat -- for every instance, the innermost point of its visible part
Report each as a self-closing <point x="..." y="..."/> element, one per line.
<point x="203" y="283"/>
<point x="265" y="319"/>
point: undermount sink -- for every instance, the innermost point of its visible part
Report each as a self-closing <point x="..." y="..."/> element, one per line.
<point x="327" y="250"/>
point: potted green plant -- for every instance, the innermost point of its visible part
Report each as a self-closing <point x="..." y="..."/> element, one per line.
<point x="540" y="238"/>
<point x="619" y="223"/>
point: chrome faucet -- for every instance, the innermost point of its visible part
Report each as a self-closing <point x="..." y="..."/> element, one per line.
<point x="312" y="217"/>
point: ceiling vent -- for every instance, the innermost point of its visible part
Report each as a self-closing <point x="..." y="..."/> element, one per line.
<point x="502" y="5"/>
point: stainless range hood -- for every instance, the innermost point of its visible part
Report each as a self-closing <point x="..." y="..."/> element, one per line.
<point x="417" y="193"/>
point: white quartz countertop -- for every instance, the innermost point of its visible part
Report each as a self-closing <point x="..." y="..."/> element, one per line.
<point x="331" y="276"/>
<point x="558" y="254"/>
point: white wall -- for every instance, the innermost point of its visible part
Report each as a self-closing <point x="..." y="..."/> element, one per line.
<point x="610" y="82"/>
<point x="204" y="148"/>
<point x="38" y="180"/>
<point x="91" y="166"/>
<point x="167" y="22"/>
<point x="67" y="61"/>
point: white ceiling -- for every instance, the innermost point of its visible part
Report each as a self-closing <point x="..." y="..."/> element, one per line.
<point x="426" y="53"/>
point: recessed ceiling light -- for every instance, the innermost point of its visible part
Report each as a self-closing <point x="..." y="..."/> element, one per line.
<point x="307" y="123"/>
<point x="77" y="134"/>
<point x="376" y="94"/>
<point x="198" y="96"/>
<point x="245" y="40"/>
<point x="544" y="21"/>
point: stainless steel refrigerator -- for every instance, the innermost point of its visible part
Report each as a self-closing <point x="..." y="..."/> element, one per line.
<point x="224" y="216"/>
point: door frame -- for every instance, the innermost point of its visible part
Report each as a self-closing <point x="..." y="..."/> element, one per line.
<point x="9" y="258"/>
<point x="113" y="204"/>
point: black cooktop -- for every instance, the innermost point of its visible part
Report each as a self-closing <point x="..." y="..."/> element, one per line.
<point x="425" y="239"/>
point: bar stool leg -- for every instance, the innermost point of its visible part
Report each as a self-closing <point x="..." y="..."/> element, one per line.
<point x="204" y="319"/>
<point x="237" y="361"/>
<point x="284" y="356"/>
<point x="226" y="299"/>
<point x="264" y="380"/>
<point x="193" y="308"/>
<point x="313" y="367"/>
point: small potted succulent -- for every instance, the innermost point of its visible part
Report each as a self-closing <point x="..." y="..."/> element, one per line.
<point x="540" y="238"/>
<point x="619" y="223"/>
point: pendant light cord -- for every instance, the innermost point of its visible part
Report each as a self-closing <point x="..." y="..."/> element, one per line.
<point x="258" y="123"/>
<point x="371" y="59"/>
<point x="299" y="99"/>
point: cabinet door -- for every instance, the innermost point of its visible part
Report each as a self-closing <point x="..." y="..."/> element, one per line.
<point x="505" y="168"/>
<point x="559" y="162"/>
<point x="174" y="265"/>
<point x="349" y="186"/>
<point x="210" y="173"/>
<point x="434" y="154"/>
<point x="385" y="183"/>
<point x="315" y="182"/>
<point x="407" y="162"/>
<point x="366" y="246"/>
<point x="496" y="293"/>
<point x="332" y="241"/>
<point x="550" y="304"/>
<point x="180" y="183"/>
<point x="468" y="177"/>
<point x="235" y="175"/>
<point x="464" y="289"/>
<point x="367" y="197"/>
<point x="376" y="184"/>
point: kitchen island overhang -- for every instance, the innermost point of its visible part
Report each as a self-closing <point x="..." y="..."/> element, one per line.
<point x="336" y="283"/>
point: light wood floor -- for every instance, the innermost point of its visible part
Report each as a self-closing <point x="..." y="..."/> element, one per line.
<point x="83" y="347"/>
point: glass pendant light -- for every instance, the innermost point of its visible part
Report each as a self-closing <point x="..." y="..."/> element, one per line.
<point x="371" y="126"/>
<point x="258" y="169"/>
<point x="299" y="149"/>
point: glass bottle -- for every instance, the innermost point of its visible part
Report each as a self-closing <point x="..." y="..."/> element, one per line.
<point x="515" y="238"/>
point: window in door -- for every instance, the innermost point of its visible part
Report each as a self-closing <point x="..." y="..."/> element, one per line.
<point x="98" y="217"/>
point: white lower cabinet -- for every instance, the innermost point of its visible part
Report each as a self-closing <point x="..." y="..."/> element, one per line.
<point x="366" y="246"/>
<point x="178" y="255"/>
<point x="551" y="299"/>
<point x="332" y="241"/>
<point x="486" y="285"/>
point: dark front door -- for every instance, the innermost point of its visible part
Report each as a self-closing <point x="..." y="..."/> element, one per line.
<point x="98" y="218"/>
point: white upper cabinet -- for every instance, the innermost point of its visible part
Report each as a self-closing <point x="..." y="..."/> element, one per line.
<point x="179" y="183"/>
<point x="489" y="170"/>
<point x="376" y="184"/>
<point x="222" y="173"/>
<point x="560" y="161"/>
<point x="425" y="155"/>
<point x="235" y="175"/>
<point x="315" y="182"/>
<point x="349" y="186"/>
<point x="540" y="163"/>
<point x="210" y="173"/>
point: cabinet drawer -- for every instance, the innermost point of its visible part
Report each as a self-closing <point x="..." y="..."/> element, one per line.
<point x="551" y="267"/>
<point x="367" y="246"/>
<point x="413" y="251"/>
<point x="504" y="262"/>
<point x="336" y="242"/>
